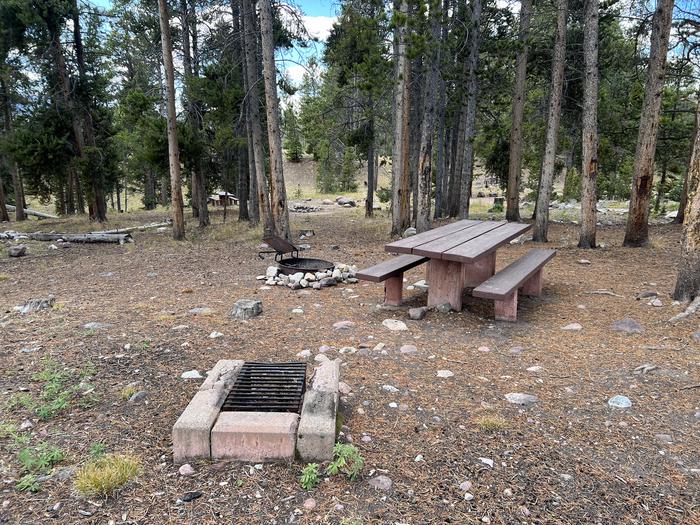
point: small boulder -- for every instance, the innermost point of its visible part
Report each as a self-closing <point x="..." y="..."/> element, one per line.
<point x="186" y="470"/>
<point x="328" y="281"/>
<point x="382" y="483"/>
<point x="191" y="374"/>
<point x="521" y="399"/>
<point x="409" y="232"/>
<point x="627" y="326"/>
<point x="417" y="313"/>
<point x="620" y="402"/>
<point x="244" y="309"/>
<point x="394" y="325"/>
<point x="138" y="398"/>
<point x="19" y="250"/>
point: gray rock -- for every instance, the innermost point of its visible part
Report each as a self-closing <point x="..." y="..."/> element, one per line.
<point x="444" y="308"/>
<point x="417" y="313"/>
<point x="521" y="399"/>
<point x="628" y="326"/>
<point x="186" y="470"/>
<point x="64" y="473"/>
<point x="572" y="327"/>
<point x="696" y="337"/>
<point x="566" y="477"/>
<point x="390" y="388"/>
<point x="664" y="439"/>
<point x="394" y="325"/>
<point x="335" y="247"/>
<point x="408" y="350"/>
<point x="34" y="305"/>
<point x="304" y="354"/>
<point x="201" y="310"/>
<point x="271" y="271"/>
<point x="138" y="397"/>
<point x="620" y="402"/>
<point x="244" y="309"/>
<point x="328" y="281"/>
<point x="382" y="482"/>
<point x="344" y="201"/>
<point x="343" y="325"/>
<point x="17" y="251"/>
<point x="409" y="232"/>
<point x="647" y="294"/>
<point x="191" y="374"/>
<point x="96" y="326"/>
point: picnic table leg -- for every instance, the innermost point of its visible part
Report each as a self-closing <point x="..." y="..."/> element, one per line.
<point x="475" y="273"/>
<point x="445" y="283"/>
<point x="507" y="309"/>
<point x="533" y="286"/>
<point x="393" y="290"/>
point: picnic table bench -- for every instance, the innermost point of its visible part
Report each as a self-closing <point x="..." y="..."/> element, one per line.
<point x="463" y="255"/>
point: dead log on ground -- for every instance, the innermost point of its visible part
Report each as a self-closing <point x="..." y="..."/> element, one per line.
<point x="35" y="213"/>
<point x="117" y="238"/>
<point x="137" y="228"/>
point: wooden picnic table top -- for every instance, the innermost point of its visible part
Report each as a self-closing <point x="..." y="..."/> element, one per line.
<point x="461" y="241"/>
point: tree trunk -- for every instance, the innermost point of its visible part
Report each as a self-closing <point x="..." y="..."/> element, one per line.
<point x="11" y="164"/>
<point x="414" y="136"/>
<point x="278" y="194"/>
<point x="371" y="173"/>
<point x="637" y="233"/>
<point x="465" y="193"/>
<point x="589" y="140"/>
<point x="173" y="149"/>
<point x="427" y="129"/>
<point x="4" y="217"/>
<point x="688" y="281"/>
<point x="253" y="115"/>
<point x="399" y="175"/>
<point x="680" y="216"/>
<point x="515" y="162"/>
<point x="550" y="149"/>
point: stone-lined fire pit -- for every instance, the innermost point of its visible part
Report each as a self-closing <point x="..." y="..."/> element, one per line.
<point x="204" y="431"/>
<point x="339" y="274"/>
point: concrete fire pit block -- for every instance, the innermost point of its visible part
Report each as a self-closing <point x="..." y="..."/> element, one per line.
<point x="327" y="376"/>
<point x="316" y="434"/>
<point x="192" y="431"/>
<point x="254" y="436"/>
<point x="245" y="309"/>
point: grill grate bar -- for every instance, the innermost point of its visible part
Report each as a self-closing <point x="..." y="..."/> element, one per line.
<point x="267" y="387"/>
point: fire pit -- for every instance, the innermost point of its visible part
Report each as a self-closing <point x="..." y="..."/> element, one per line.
<point x="293" y="264"/>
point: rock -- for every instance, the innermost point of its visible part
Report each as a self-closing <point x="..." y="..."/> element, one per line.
<point x="191" y="496"/>
<point x="408" y="350"/>
<point x="324" y="348"/>
<point x="566" y="477"/>
<point x="272" y="271"/>
<point x="297" y="311"/>
<point x="664" y="439"/>
<point x="444" y="308"/>
<point x="521" y="399"/>
<point x="394" y="325"/>
<point x="646" y="294"/>
<point x="620" y="402"/>
<point x="344" y="201"/>
<point x="484" y="349"/>
<point x="390" y="388"/>
<point x="378" y="347"/>
<point x="487" y="461"/>
<point x="186" y="470"/>
<point x="96" y="326"/>
<point x="445" y="373"/>
<point x="180" y="327"/>
<point x="296" y="277"/>
<point x="465" y="486"/>
<point x="327" y="202"/>
<point x="584" y="261"/>
<point x="656" y="302"/>
<point x="337" y="274"/>
<point x="203" y="310"/>
<point x="417" y="313"/>
<point x="328" y="281"/>
<point x="382" y="482"/>
<point x="30" y="349"/>
<point x="347" y="350"/>
<point x="366" y="439"/>
<point x="421" y="285"/>
<point x="64" y="473"/>
<point x="628" y="326"/>
<point x="409" y="232"/>
<point x="309" y="277"/>
<point x="516" y="350"/>
<point x="34" y="305"/>
<point x="572" y="327"/>
<point x="26" y="425"/>
<point x="138" y="398"/>
<point x="535" y="369"/>
<point x="320" y="358"/>
<point x="191" y="374"/>
<point x="343" y="325"/>
<point x="17" y="251"/>
<point x="215" y="335"/>
<point x="344" y="388"/>
<point x="53" y="247"/>
<point x="304" y="354"/>
<point x="468" y="496"/>
<point x="310" y="504"/>
<point x="245" y="309"/>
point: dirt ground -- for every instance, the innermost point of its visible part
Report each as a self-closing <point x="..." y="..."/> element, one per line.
<point x="569" y="458"/>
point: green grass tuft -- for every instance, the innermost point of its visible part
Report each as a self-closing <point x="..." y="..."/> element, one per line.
<point x="104" y="475"/>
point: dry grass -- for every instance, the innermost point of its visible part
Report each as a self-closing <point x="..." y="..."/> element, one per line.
<point x="490" y="423"/>
<point x="127" y="392"/>
<point x="104" y="475"/>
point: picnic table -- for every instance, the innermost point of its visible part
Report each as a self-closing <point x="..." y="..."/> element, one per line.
<point x="460" y="255"/>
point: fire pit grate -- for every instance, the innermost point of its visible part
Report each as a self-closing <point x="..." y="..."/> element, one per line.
<point x="292" y="265"/>
<point x="267" y="387"/>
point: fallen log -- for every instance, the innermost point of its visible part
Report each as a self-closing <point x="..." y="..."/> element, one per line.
<point x="119" y="238"/>
<point x="137" y="228"/>
<point x="34" y="213"/>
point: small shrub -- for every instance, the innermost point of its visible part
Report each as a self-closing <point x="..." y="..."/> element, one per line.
<point x="21" y="400"/>
<point x="97" y="450"/>
<point x="40" y="459"/>
<point x="104" y="475"/>
<point x="309" y="476"/>
<point x="384" y="194"/>
<point x="492" y="423"/>
<point x="28" y="483"/>
<point x="347" y="459"/>
<point x="7" y="430"/>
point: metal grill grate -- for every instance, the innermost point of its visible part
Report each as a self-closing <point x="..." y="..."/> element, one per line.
<point x="267" y="387"/>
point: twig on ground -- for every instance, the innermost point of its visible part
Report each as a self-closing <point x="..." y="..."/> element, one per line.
<point x="604" y="292"/>
<point x="689" y="387"/>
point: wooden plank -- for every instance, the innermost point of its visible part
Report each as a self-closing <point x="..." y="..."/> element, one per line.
<point x="436" y="248"/>
<point x="409" y="243"/>
<point x="485" y="244"/>
<point x="389" y="268"/>
<point x="510" y="278"/>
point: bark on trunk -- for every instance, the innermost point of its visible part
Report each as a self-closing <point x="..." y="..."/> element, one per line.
<point x="173" y="149"/>
<point x="688" y="281"/>
<point x="427" y="130"/>
<point x="550" y="150"/>
<point x="4" y="217"/>
<point x="682" y="205"/>
<point x="253" y="115"/>
<point x="278" y="193"/>
<point x="400" y="186"/>
<point x="589" y="140"/>
<point x="371" y="173"/>
<point x="440" y="112"/>
<point x="470" y="125"/>
<point x="12" y="165"/>
<point x="515" y="161"/>
<point x="415" y="120"/>
<point x="637" y="232"/>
